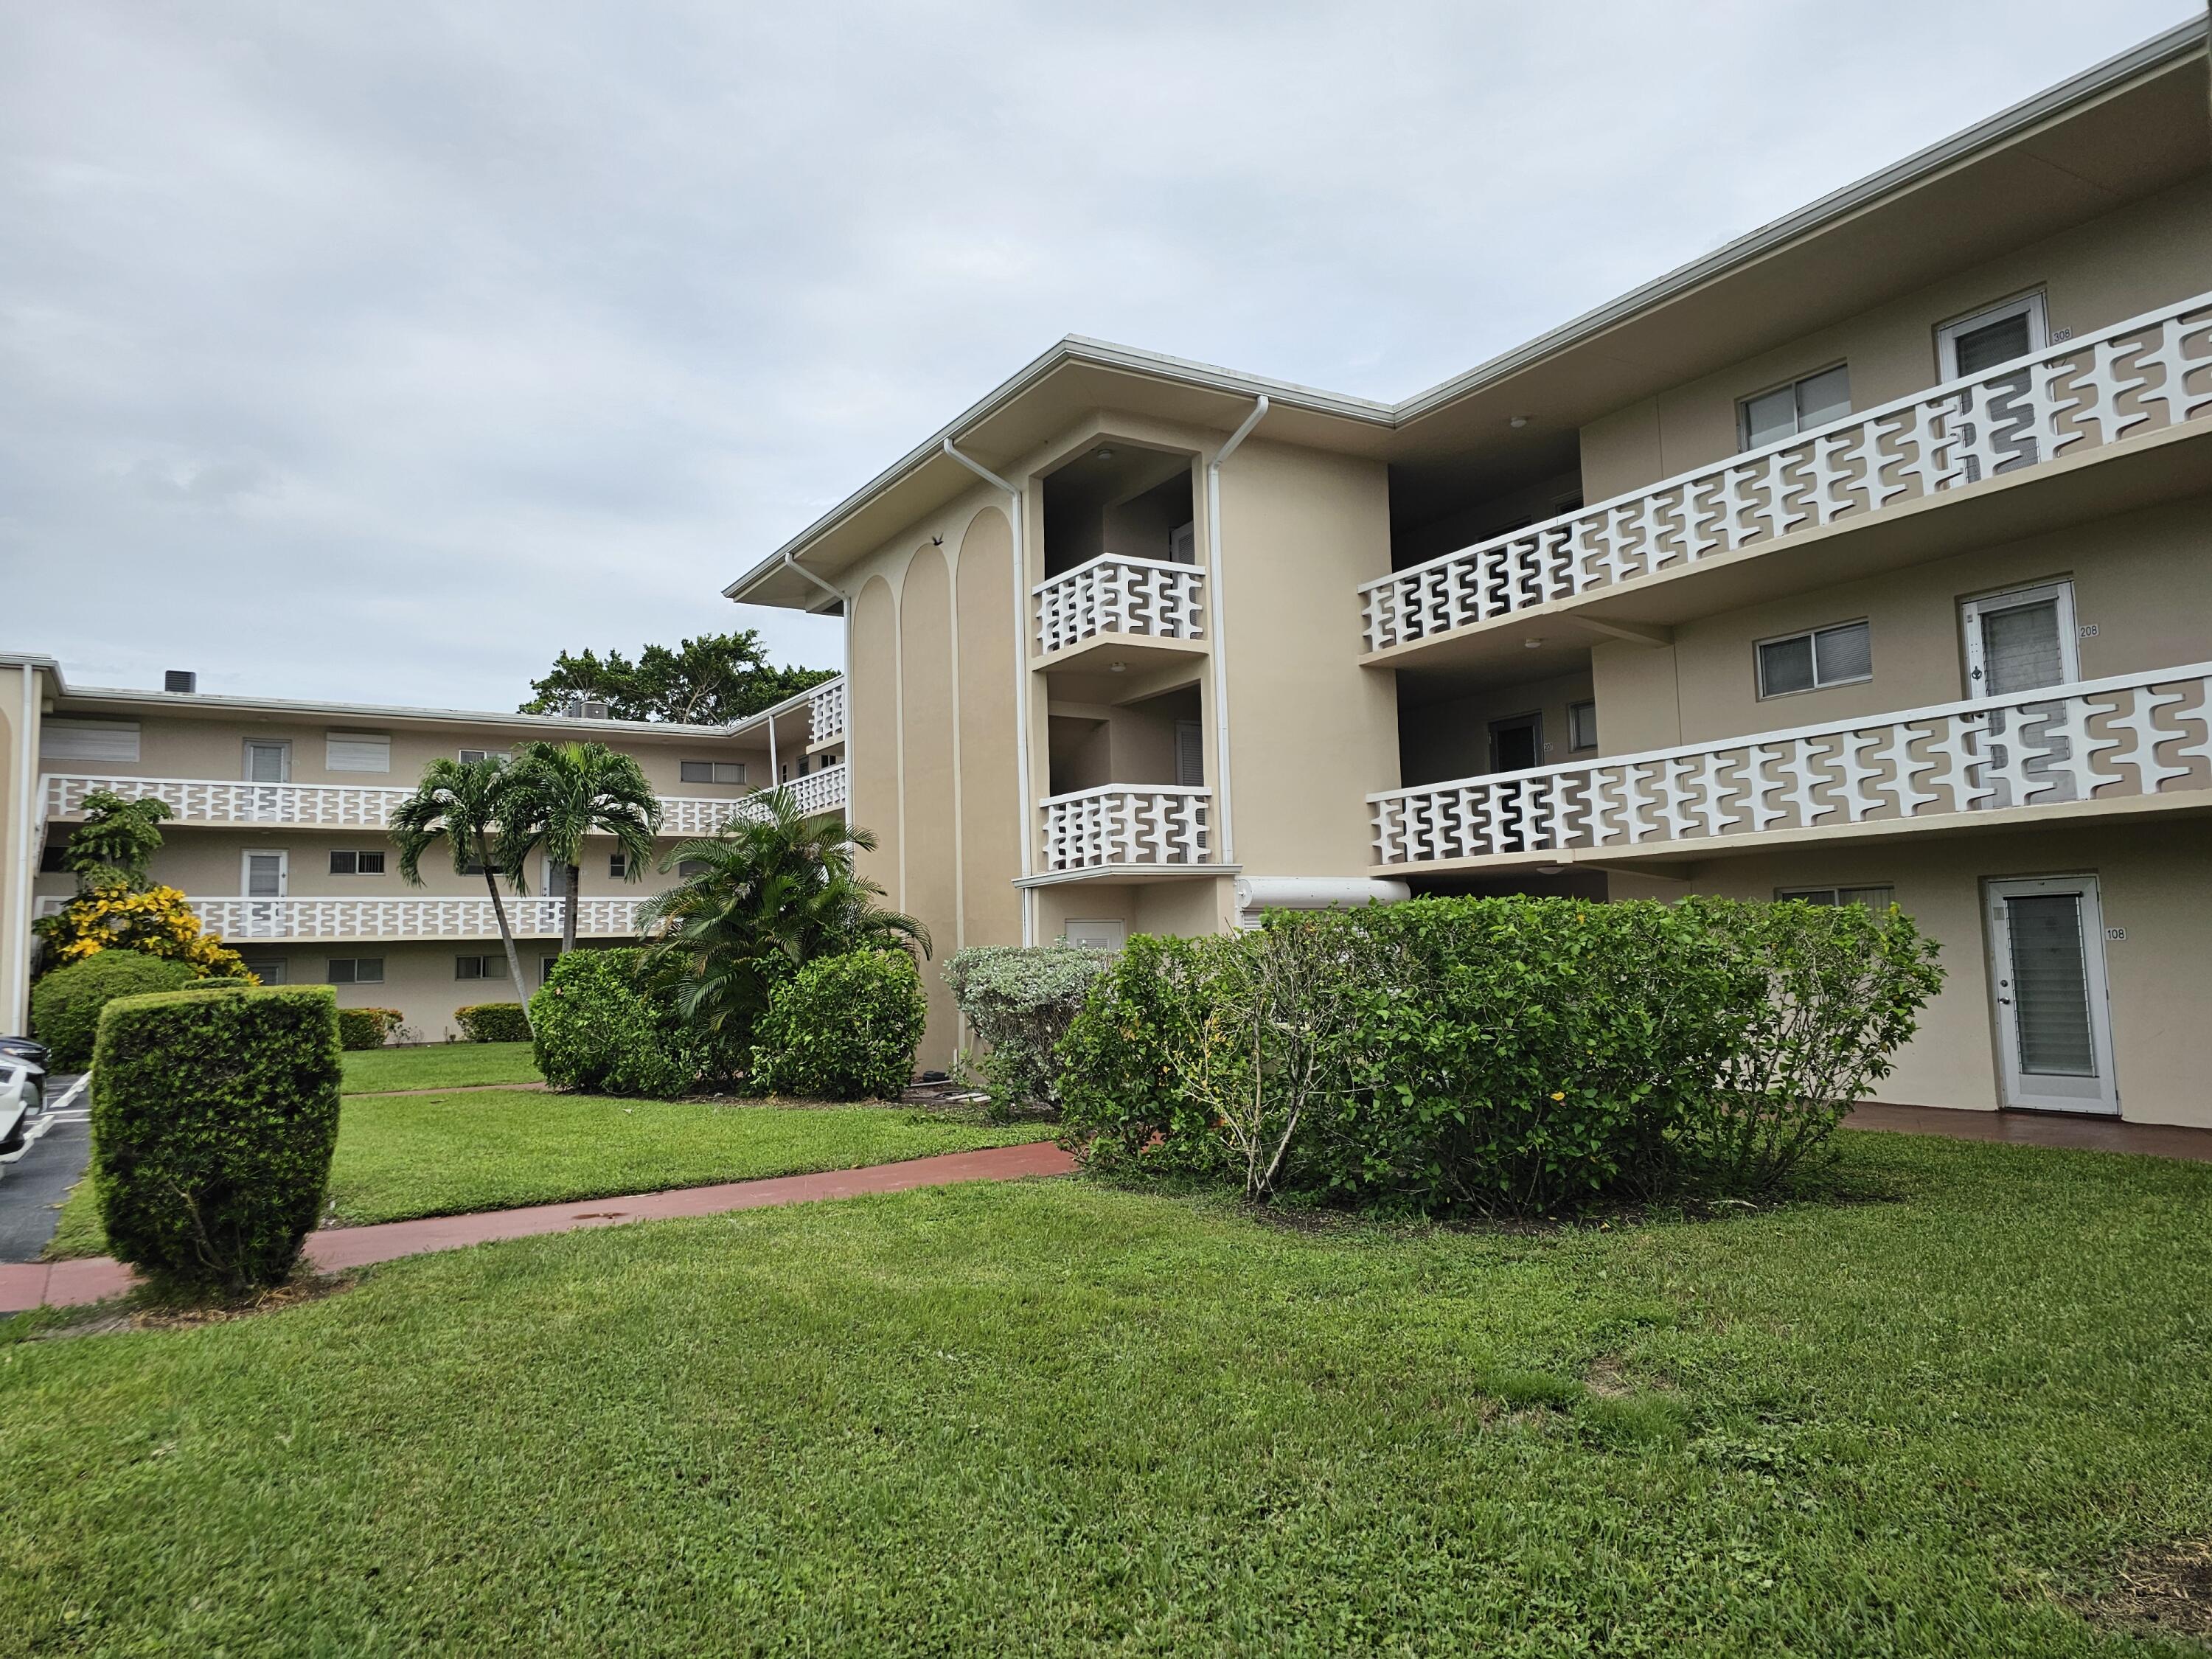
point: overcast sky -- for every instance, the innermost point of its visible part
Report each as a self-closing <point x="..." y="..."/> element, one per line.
<point x="380" y="351"/>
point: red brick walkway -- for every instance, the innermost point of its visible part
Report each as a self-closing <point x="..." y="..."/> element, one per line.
<point x="72" y="1283"/>
<point x="2093" y="1134"/>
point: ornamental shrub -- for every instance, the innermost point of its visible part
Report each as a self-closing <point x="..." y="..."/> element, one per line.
<point x="1019" y="1001"/>
<point x="843" y="1028"/>
<point x="604" y="1027"/>
<point x="65" y="1005"/>
<point x="368" y="1028"/>
<point x="1506" y="1055"/>
<point x="493" y="1021"/>
<point x="213" y="1120"/>
<point x="158" y="921"/>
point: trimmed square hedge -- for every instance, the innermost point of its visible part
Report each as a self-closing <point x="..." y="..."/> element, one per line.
<point x="213" y="1120"/>
<point x="493" y="1021"/>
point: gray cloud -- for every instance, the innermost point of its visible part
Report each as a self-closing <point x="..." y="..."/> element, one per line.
<point x="381" y="351"/>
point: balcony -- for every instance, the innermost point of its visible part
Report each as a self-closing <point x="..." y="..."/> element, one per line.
<point x="2138" y="743"/>
<point x="1133" y="610"/>
<point x="368" y="806"/>
<point x="352" y="919"/>
<point x="2036" y="417"/>
<point x="1129" y="828"/>
<point x="825" y="713"/>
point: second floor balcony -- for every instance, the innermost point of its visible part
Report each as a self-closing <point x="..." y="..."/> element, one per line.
<point x="202" y="801"/>
<point x="239" y="920"/>
<point x="2148" y="376"/>
<point x="2133" y="743"/>
<point x="1116" y="600"/>
<point x="1128" y="826"/>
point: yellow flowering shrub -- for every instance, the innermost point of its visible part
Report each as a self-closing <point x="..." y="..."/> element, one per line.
<point x="160" y="921"/>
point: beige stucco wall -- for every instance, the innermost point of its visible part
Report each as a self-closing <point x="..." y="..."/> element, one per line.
<point x="2141" y="257"/>
<point x="991" y="658"/>
<point x="929" y="830"/>
<point x="2155" y="882"/>
<point x="1311" y="733"/>
<point x="2142" y="579"/>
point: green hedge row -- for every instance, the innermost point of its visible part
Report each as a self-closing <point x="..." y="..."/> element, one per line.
<point x="65" y="1005"/>
<point x="368" y="1028"/>
<point x="493" y="1021"/>
<point x="1506" y="1055"/>
<point x="843" y="1028"/>
<point x="213" y="1120"/>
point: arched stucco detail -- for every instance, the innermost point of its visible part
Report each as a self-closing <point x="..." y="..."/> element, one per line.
<point x="925" y="613"/>
<point x="990" y="810"/>
<point x="873" y="746"/>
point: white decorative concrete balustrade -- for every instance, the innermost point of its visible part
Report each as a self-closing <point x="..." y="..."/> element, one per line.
<point x="2151" y="373"/>
<point x="237" y="919"/>
<point x="825" y="711"/>
<point x="2137" y="735"/>
<point x="1114" y="593"/>
<point x="1127" y="823"/>
<point x="364" y="806"/>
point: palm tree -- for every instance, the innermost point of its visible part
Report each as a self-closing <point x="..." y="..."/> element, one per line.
<point x="560" y="792"/>
<point x="773" y="889"/>
<point x="461" y="802"/>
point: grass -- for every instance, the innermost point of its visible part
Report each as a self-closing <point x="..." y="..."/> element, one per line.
<point x="415" y="1154"/>
<point x="441" y="1066"/>
<point x="1059" y="1418"/>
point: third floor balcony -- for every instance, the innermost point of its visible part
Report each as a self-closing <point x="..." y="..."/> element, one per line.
<point x="2089" y="425"/>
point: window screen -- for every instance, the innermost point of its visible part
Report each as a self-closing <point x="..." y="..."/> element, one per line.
<point x="269" y="970"/>
<point x="1581" y="724"/>
<point x="88" y="740"/>
<point x="1801" y="406"/>
<point x="1190" y="755"/>
<point x="1992" y="344"/>
<point x="346" y="861"/>
<point x="268" y="762"/>
<point x="711" y="771"/>
<point x="1825" y="656"/>
<point x="2021" y="649"/>
<point x="264" y="875"/>
<point x="357" y="751"/>
<point x="2051" y="984"/>
<point x="479" y="967"/>
<point x="356" y="970"/>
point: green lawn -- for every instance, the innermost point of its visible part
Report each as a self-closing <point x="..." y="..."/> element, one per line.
<point x="412" y="1155"/>
<point x="442" y="1066"/>
<point x="1056" y="1418"/>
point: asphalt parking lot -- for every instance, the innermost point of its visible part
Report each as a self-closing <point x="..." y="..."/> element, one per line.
<point x="33" y="1187"/>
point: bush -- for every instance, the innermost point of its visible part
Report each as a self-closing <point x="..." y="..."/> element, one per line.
<point x="1508" y="1055"/>
<point x="493" y="1021"/>
<point x="1019" y="1001"/>
<point x="368" y="1028"/>
<point x="843" y="1028"/>
<point x="65" y="1005"/>
<point x="213" y="1120"/>
<point x="156" y="921"/>
<point x="604" y="1027"/>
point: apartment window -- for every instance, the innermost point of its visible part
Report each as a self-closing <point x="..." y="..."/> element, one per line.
<point x="687" y="868"/>
<point x="266" y="875"/>
<point x="618" y="866"/>
<point x="1582" y="725"/>
<point x="1798" y="407"/>
<point x="1821" y="657"/>
<point x="545" y="967"/>
<point x="711" y="771"/>
<point x="53" y="857"/>
<point x="356" y="970"/>
<point x="479" y="967"/>
<point x="470" y="756"/>
<point x="348" y="861"/>
<point x="2019" y="642"/>
<point x="268" y="762"/>
<point x="269" y="970"/>
<point x="356" y="751"/>
<point x="1874" y="898"/>
<point x="1190" y="755"/>
<point x="1994" y="334"/>
<point x="88" y="740"/>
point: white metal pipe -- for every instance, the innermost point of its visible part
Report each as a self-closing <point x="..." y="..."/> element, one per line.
<point x="1215" y="585"/>
<point x="1021" y="686"/>
<point x="845" y="608"/>
<point x="18" y="928"/>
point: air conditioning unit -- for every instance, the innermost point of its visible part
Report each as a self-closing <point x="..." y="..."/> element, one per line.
<point x="180" y="679"/>
<point x="584" y="708"/>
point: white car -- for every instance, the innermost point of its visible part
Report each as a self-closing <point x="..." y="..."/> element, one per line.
<point x="23" y="1089"/>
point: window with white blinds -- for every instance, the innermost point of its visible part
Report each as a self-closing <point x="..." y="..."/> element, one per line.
<point x="88" y="740"/>
<point x="2050" y="985"/>
<point x="357" y="751"/>
<point x="1969" y="344"/>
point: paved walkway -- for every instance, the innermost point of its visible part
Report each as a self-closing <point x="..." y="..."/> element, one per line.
<point x="72" y="1283"/>
<point x="2095" y="1134"/>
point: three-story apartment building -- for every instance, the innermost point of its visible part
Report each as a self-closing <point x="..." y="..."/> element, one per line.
<point x="278" y="837"/>
<point x="1864" y="559"/>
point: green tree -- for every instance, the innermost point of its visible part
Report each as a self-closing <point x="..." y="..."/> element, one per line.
<point x="708" y="681"/>
<point x="774" y="890"/>
<point x="463" y="803"/>
<point x="560" y="792"/>
<point x="114" y="846"/>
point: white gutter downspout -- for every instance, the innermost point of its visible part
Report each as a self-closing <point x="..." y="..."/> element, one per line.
<point x="1228" y="853"/>
<point x="19" y="925"/>
<point x="845" y="606"/>
<point x="1021" y="684"/>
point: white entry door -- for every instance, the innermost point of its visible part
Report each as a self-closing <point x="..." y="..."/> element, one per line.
<point x="266" y="877"/>
<point x="2054" y="1024"/>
